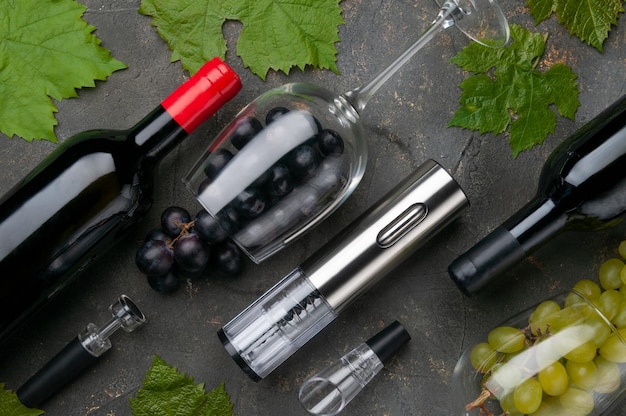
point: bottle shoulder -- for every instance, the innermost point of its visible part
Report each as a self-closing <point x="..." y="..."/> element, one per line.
<point x="95" y="136"/>
<point x="591" y="163"/>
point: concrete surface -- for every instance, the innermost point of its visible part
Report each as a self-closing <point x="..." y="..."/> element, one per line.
<point x="406" y="124"/>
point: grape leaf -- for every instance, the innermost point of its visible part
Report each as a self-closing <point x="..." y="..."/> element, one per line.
<point x="47" y="51"/>
<point x="590" y="20"/>
<point x="507" y="91"/>
<point x="167" y="392"/>
<point x="10" y="405"/>
<point x="276" y="34"/>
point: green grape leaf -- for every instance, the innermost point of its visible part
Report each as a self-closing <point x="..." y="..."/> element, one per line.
<point x="506" y="90"/>
<point x="47" y="51"/>
<point x="10" y="405"/>
<point x="276" y="34"/>
<point x="167" y="392"/>
<point x="590" y="20"/>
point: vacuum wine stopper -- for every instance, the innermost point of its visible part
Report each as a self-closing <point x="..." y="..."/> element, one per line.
<point x="80" y="353"/>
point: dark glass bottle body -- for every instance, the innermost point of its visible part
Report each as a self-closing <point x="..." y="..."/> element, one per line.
<point x="582" y="186"/>
<point x="86" y="195"/>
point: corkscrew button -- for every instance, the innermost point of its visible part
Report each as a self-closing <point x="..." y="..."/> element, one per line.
<point x="401" y="225"/>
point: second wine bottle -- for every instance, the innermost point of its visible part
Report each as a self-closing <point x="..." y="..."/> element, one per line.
<point x="582" y="186"/>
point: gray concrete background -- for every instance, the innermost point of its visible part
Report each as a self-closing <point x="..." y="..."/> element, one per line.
<point x="406" y="124"/>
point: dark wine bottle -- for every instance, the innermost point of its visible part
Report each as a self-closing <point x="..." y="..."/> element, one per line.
<point x="89" y="192"/>
<point x="582" y="186"/>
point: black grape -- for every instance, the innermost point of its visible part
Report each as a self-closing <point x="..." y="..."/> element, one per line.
<point x="229" y="219"/>
<point x="244" y="131"/>
<point x="303" y="160"/>
<point x="204" y="184"/>
<point x="216" y="162"/>
<point x="154" y="257"/>
<point x="274" y="114"/>
<point x="330" y="142"/>
<point x="250" y="202"/>
<point x="173" y="219"/>
<point x="191" y="254"/>
<point x="158" y="234"/>
<point x="281" y="183"/>
<point x="208" y="229"/>
<point x="166" y="283"/>
<point x="228" y="258"/>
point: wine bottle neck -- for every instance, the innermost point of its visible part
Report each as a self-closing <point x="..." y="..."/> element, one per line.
<point x="157" y="134"/>
<point x="536" y="223"/>
<point x="186" y="108"/>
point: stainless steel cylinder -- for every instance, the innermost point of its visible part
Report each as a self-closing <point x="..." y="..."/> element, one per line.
<point x="420" y="206"/>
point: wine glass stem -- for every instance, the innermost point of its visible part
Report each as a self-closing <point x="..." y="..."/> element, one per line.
<point x="359" y="96"/>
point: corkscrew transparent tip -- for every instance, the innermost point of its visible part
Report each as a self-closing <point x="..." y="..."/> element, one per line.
<point x="275" y="326"/>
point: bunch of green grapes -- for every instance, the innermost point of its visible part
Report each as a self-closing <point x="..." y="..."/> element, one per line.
<point x="569" y="356"/>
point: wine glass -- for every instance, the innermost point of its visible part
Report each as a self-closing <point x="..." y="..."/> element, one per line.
<point x="296" y="153"/>
<point x="560" y="357"/>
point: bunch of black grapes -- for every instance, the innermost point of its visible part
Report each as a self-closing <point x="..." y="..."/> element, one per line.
<point x="183" y="247"/>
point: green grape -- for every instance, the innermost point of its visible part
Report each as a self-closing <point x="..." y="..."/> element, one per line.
<point x="553" y="379"/>
<point x="577" y="402"/>
<point x="506" y="339"/>
<point x="586" y="309"/>
<point x="550" y="406"/>
<point x="622" y="249"/>
<point x="588" y="288"/>
<point x="544" y="309"/>
<point x="614" y="349"/>
<point x="608" y="303"/>
<point x="583" y="375"/>
<point x="507" y="404"/>
<point x="619" y="320"/>
<point x="483" y="357"/>
<point x="504" y="378"/>
<point x="601" y="330"/>
<point x="564" y="318"/>
<point x="583" y="353"/>
<point x="608" y="376"/>
<point x="528" y="395"/>
<point x="622" y="276"/>
<point x="544" y="409"/>
<point x="506" y="357"/>
<point x="546" y="352"/>
<point x="574" y="298"/>
<point x="540" y="314"/>
<point x="610" y="273"/>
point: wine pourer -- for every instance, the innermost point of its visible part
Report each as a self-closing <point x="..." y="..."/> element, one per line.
<point x="328" y="392"/>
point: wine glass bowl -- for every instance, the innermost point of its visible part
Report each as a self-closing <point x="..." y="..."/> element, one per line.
<point x="289" y="129"/>
<point x="287" y="160"/>
<point x="480" y="20"/>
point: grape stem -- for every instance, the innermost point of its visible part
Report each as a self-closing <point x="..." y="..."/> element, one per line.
<point x="479" y="403"/>
<point x="184" y="230"/>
